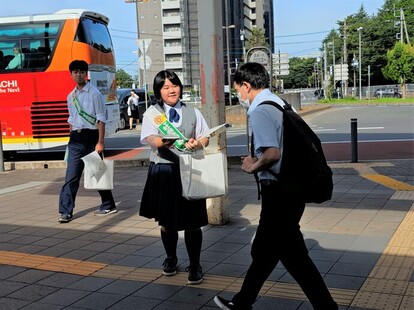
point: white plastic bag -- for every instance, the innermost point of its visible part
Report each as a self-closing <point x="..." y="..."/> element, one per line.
<point x="203" y="176"/>
<point x="99" y="173"/>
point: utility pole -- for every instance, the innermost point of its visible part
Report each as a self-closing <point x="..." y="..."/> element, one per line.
<point x="212" y="84"/>
<point x="345" y="59"/>
<point x="325" y="60"/>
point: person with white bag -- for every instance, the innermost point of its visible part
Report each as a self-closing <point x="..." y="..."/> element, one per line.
<point x="87" y="130"/>
<point x="162" y="198"/>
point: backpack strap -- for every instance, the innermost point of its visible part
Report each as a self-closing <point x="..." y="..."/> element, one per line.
<point x="256" y="176"/>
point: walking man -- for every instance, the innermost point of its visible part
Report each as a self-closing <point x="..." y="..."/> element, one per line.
<point x="87" y="131"/>
<point x="278" y="236"/>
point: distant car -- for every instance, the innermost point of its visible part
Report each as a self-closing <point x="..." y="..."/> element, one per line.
<point x="234" y="99"/>
<point x="123" y="95"/>
<point x="319" y="93"/>
<point x="387" y="93"/>
<point x="186" y="96"/>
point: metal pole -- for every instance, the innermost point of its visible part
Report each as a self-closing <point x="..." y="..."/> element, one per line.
<point x="1" y="151"/>
<point x="325" y="60"/>
<point x="354" y="140"/>
<point x="145" y="74"/>
<point x="360" y="63"/>
<point x="139" y="71"/>
<point x="369" y="82"/>
<point x="244" y="47"/>
<point x="227" y="48"/>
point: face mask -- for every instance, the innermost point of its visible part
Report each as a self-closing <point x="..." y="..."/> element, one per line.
<point x="243" y="102"/>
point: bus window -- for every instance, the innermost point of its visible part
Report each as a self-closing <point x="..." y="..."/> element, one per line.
<point x="35" y="42"/>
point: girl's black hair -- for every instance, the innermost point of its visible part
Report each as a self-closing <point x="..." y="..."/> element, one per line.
<point x="159" y="81"/>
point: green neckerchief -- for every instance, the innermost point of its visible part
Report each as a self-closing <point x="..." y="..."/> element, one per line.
<point x="87" y="117"/>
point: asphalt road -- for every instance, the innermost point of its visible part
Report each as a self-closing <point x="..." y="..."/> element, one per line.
<point x="384" y="132"/>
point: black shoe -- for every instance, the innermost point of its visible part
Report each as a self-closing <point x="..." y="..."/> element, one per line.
<point x="65" y="218"/>
<point x="227" y="304"/>
<point x="195" y="274"/>
<point x="170" y="266"/>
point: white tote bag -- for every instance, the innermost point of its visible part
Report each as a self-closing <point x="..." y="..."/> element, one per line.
<point x="99" y="173"/>
<point x="203" y="176"/>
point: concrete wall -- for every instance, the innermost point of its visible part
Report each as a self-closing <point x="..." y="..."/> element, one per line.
<point x="293" y="99"/>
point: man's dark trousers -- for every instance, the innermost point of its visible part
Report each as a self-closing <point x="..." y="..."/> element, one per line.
<point x="80" y="144"/>
<point x="278" y="237"/>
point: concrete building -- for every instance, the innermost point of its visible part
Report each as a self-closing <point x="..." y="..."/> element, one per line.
<point x="172" y="26"/>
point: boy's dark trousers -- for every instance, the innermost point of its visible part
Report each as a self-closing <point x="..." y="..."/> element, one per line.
<point x="278" y="238"/>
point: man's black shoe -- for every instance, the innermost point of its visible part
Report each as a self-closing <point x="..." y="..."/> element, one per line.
<point x="170" y="266"/>
<point x="195" y="274"/>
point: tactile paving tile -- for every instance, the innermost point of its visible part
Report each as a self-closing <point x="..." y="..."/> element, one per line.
<point x="407" y="303"/>
<point x="378" y="301"/>
<point x="389" y="182"/>
<point x="385" y="286"/>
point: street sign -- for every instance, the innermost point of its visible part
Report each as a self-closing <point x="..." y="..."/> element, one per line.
<point x="143" y="45"/>
<point x="281" y="72"/>
<point x="261" y="57"/>
<point x="281" y="58"/>
<point x="277" y="66"/>
<point x="341" y="72"/>
<point x="144" y="62"/>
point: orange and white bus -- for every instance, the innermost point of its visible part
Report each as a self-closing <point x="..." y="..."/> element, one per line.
<point x="35" y="52"/>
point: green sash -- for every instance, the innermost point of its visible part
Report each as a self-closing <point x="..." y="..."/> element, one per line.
<point x="87" y="117"/>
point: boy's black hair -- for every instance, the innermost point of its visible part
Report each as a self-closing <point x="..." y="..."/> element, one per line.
<point x="253" y="73"/>
<point x="78" y="65"/>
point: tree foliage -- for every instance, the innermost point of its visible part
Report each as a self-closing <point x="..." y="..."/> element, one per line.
<point x="300" y="71"/>
<point x="400" y="64"/>
<point x="378" y="36"/>
<point x="123" y="79"/>
<point x="257" y="38"/>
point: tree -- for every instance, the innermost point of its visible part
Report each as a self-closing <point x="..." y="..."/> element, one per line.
<point x="300" y="71"/>
<point x="400" y="64"/>
<point x="123" y="79"/>
<point x="257" y="38"/>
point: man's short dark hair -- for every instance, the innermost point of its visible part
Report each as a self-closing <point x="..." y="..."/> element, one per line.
<point x="254" y="74"/>
<point x="81" y="65"/>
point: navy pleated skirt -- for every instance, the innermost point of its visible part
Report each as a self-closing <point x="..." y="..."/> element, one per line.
<point x="162" y="200"/>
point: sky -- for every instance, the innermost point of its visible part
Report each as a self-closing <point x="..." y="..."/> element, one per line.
<point x="300" y="25"/>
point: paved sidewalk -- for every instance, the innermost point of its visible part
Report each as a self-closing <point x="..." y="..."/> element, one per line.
<point x="361" y="241"/>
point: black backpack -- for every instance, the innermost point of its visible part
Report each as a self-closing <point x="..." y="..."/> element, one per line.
<point x="304" y="171"/>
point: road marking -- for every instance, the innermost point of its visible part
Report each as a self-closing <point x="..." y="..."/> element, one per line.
<point x="370" y="128"/>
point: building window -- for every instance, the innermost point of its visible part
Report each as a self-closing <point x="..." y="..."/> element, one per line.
<point x="172" y="28"/>
<point x="173" y="58"/>
<point x="170" y="12"/>
<point x="172" y="43"/>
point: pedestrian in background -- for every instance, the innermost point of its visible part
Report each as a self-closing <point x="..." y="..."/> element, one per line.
<point x="133" y="109"/>
<point x="278" y="236"/>
<point x="87" y="130"/>
<point x="162" y="197"/>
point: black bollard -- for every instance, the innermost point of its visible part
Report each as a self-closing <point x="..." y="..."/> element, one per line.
<point x="354" y="140"/>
